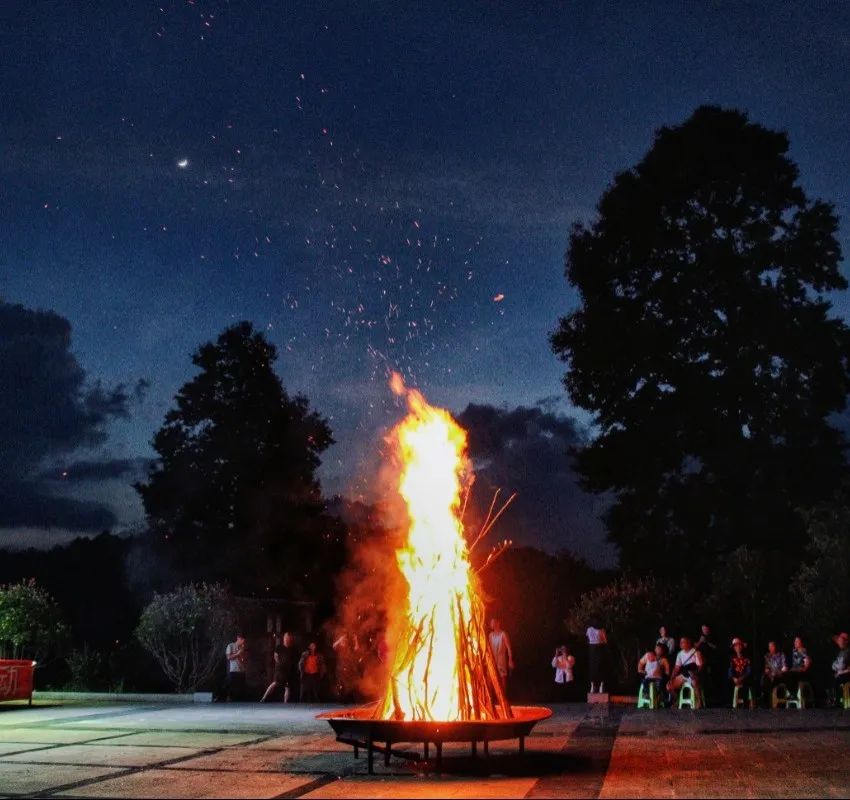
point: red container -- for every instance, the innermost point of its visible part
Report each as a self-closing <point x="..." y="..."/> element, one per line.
<point x="16" y="679"/>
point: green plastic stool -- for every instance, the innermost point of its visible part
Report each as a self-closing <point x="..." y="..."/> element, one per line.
<point x="692" y="700"/>
<point x="648" y="699"/>
<point x="805" y="696"/>
<point x="738" y="698"/>
<point x="845" y="696"/>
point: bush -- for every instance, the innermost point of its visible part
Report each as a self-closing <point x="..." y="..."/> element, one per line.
<point x="30" y="622"/>
<point x="186" y="630"/>
<point x="88" y="670"/>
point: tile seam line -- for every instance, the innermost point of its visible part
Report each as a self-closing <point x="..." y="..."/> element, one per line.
<point x="123" y="773"/>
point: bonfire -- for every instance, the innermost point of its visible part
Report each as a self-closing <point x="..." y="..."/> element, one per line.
<point x="443" y="668"/>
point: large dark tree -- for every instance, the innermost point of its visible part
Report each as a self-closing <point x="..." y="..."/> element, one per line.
<point x="234" y="495"/>
<point x="704" y="346"/>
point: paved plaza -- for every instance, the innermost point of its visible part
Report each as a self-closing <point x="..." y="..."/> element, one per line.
<point x="256" y="751"/>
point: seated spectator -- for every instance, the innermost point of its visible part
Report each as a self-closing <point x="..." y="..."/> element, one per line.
<point x="774" y="665"/>
<point x="800" y="666"/>
<point x="740" y="669"/>
<point x="841" y="666"/>
<point x="668" y="641"/>
<point x="687" y="668"/>
<point x="654" y="669"/>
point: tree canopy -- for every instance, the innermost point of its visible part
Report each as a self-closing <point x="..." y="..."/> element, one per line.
<point x="704" y="346"/>
<point x="234" y="495"/>
<point x="31" y="623"/>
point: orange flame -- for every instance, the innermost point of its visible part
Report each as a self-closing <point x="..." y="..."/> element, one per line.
<point x="442" y="667"/>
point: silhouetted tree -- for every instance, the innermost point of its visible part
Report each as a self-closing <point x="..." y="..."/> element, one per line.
<point x="820" y="586"/>
<point x="234" y="495"/>
<point x="704" y="346"/>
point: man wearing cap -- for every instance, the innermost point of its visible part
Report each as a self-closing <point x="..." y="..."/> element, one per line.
<point x="841" y="665"/>
<point x="740" y="668"/>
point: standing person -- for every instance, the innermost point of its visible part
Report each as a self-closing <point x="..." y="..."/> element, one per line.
<point x="668" y="641"/>
<point x="596" y="641"/>
<point x="346" y="649"/>
<point x="285" y="669"/>
<point x="800" y="666"/>
<point x="740" y="669"/>
<point x="311" y="667"/>
<point x="500" y="645"/>
<point x="840" y="667"/>
<point x="708" y="650"/>
<point x="563" y="663"/>
<point x="774" y="665"/>
<point x="234" y="682"/>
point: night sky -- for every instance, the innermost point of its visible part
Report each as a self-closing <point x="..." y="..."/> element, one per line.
<point x="377" y="185"/>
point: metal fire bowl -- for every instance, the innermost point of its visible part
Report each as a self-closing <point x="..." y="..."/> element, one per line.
<point x="360" y="729"/>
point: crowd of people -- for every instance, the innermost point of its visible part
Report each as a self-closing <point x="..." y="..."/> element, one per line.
<point x="700" y="664"/>
<point x="294" y="675"/>
<point x="665" y="668"/>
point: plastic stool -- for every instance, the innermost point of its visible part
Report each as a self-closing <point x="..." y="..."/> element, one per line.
<point x="805" y="696"/>
<point x="779" y="696"/>
<point x="648" y="699"/>
<point x="845" y="696"/>
<point x="692" y="699"/>
<point x="738" y="698"/>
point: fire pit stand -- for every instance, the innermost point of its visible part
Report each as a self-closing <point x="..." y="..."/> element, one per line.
<point x="360" y="729"/>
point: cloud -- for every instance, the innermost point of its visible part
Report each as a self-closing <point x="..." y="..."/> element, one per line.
<point x="26" y="504"/>
<point x="48" y="410"/>
<point x="108" y="469"/>
<point x="526" y="450"/>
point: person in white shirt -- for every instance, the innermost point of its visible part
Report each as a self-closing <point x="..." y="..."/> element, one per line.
<point x="235" y="655"/>
<point x="596" y="641"/>
<point x="688" y="666"/>
<point x="563" y="664"/>
<point x="500" y="645"/>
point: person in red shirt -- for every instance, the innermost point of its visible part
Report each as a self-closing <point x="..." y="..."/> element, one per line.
<point x="312" y="669"/>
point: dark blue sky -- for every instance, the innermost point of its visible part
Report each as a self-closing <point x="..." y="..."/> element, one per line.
<point x="363" y="179"/>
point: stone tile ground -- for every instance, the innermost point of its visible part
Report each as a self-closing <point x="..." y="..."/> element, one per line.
<point x="252" y="751"/>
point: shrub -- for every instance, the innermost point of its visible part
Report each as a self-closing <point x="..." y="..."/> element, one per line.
<point x="186" y="630"/>
<point x="88" y="670"/>
<point x="31" y="624"/>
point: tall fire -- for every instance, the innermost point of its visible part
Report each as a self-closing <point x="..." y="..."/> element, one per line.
<point x="443" y="686"/>
<point x="443" y="668"/>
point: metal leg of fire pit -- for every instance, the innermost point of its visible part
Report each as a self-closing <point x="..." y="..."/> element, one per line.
<point x="387" y="753"/>
<point x="474" y="748"/>
<point x="425" y="749"/>
<point x="439" y="746"/>
<point x="370" y="756"/>
<point x="486" y="748"/>
<point x="522" y="745"/>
